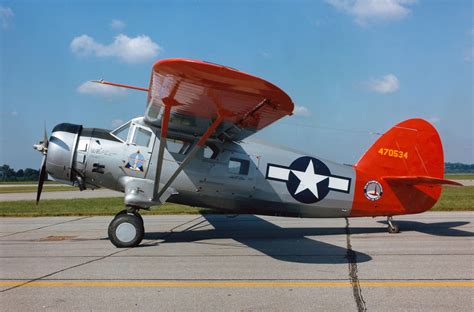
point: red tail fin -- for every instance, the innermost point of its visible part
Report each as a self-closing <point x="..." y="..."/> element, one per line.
<point x="411" y="148"/>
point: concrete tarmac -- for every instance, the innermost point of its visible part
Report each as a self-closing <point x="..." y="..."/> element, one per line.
<point x="242" y="263"/>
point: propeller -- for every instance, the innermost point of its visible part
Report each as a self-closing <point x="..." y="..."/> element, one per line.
<point x="42" y="147"/>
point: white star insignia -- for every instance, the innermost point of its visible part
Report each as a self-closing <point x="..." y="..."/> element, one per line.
<point x="309" y="180"/>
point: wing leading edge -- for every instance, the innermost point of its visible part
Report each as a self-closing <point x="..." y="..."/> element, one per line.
<point x="199" y="93"/>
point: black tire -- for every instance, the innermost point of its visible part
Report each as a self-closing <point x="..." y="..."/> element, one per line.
<point x="126" y="230"/>
<point x="125" y="211"/>
<point x="394" y="229"/>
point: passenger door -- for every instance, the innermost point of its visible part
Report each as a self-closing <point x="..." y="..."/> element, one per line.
<point x="241" y="174"/>
<point x="234" y="176"/>
<point x="138" y="150"/>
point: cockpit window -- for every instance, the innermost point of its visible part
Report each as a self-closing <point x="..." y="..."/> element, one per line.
<point x="122" y="132"/>
<point x="141" y="137"/>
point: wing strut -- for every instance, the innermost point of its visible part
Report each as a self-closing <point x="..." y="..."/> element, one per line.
<point x="169" y="102"/>
<point x="190" y="155"/>
<point x="164" y="131"/>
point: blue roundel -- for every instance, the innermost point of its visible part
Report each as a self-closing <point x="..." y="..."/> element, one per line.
<point x="308" y="181"/>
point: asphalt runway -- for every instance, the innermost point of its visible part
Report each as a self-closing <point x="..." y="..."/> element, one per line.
<point x="239" y="263"/>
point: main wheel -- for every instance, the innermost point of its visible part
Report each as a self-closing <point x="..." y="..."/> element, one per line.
<point x="126" y="230"/>
<point x="125" y="211"/>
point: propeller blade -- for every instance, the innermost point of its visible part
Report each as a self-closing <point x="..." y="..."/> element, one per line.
<point x="42" y="176"/>
<point x="45" y="140"/>
<point x="42" y="147"/>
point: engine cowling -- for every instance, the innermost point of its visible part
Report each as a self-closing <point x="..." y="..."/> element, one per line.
<point x="61" y="150"/>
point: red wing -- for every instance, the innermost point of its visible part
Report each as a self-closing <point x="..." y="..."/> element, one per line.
<point x="199" y="91"/>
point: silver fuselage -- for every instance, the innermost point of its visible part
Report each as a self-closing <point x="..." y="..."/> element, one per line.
<point x="96" y="158"/>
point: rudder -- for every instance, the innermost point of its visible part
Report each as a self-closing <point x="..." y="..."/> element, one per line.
<point x="409" y="151"/>
<point x="410" y="148"/>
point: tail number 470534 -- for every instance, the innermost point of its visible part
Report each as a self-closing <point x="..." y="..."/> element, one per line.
<point x="392" y="153"/>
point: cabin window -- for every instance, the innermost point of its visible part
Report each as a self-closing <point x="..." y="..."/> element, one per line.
<point x="153" y="112"/>
<point x="141" y="137"/>
<point x="211" y="151"/>
<point x="178" y="146"/>
<point x="122" y="132"/>
<point x="238" y="166"/>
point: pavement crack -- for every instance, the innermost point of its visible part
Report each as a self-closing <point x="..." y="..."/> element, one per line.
<point x="93" y="260"/>
<point x="45" y="226"/>
<point x="354" y="279"/>
<point x="63" y="270"/>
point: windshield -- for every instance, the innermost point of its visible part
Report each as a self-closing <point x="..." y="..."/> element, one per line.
<point x="122" y="132"/>
<point x="141" y="137"/>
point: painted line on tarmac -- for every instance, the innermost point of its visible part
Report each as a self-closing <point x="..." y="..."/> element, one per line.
<point x="235" y="284"/>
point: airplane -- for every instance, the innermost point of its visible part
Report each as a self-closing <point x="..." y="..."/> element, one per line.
<point x="194" y="146"/>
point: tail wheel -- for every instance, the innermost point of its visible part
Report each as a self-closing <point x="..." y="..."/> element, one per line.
<point x="395" y="228"/>
<point x="126" y="230"/>
<point x="392" y="227"/>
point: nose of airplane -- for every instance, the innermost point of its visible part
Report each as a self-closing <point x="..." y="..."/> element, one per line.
<point x="61" y="148"/>
<point x="58" y="153"/>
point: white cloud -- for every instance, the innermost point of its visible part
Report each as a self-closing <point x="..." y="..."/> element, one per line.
<point x="316" y="23"/>
<point x="117" y="122"/>
<point x="469" y="54"/>
<point x="386" y="84"/>
<point x="117" y="24"/>
<point x="130" y="50"/>
<point x="368" y="11"/>
<point x="301" y="111"/>
<point x="6" y="15"/>
<point x="102" y="90"/>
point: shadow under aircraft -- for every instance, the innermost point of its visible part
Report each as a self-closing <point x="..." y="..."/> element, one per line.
<point x="281" y="243"/>
<point x="437" y="228"/>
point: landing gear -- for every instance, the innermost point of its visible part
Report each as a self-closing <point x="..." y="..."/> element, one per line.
<point x="126" y="229"/>
<point x="392" y="227"/>
<point x="134" y="211"/>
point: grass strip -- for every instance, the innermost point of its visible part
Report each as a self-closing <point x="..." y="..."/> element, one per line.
<point x="32" y="189"/>
<point x="26" y="182"/>
<point x="86" y="207"/>
<point x="452" y="199"/>
<point x="456" y="199"/>
<point x="459" y="176"/>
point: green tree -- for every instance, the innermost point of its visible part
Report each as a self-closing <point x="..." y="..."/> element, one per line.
<point x="7" y="172"/>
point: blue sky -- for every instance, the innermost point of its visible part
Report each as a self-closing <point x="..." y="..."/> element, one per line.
<point x="352" y="67"/>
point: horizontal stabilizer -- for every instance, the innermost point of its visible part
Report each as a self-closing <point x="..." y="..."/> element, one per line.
<point x="414" y="180"/>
